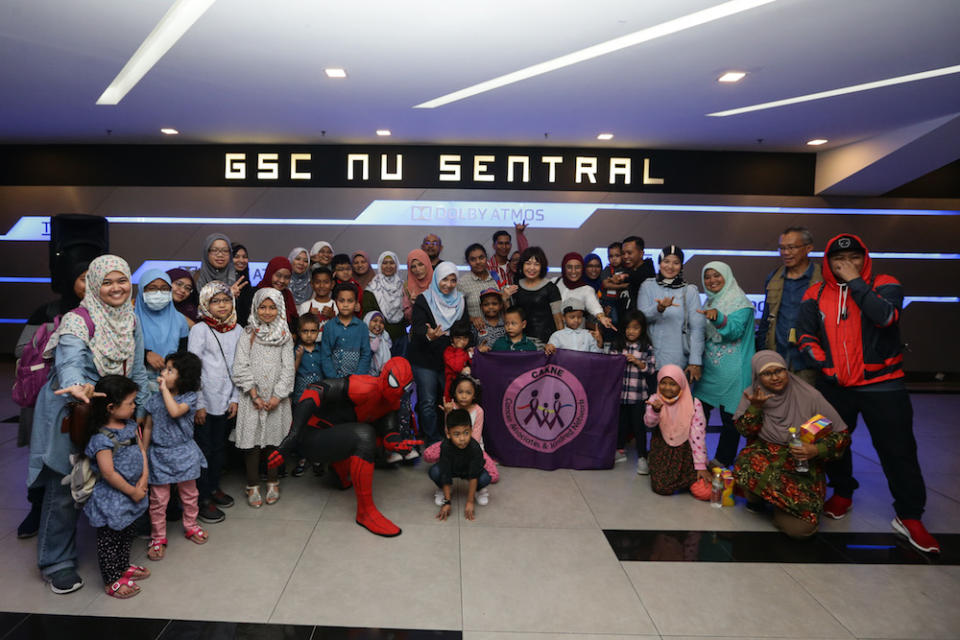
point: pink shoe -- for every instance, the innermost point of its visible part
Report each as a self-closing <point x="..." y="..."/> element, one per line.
<point x="916" y="534"/>
<point x="837" y="507"/>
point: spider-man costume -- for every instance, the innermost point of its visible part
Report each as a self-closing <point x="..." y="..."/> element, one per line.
<point x="341" y="420"/>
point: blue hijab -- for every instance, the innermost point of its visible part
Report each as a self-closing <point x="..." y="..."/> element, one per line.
<point x="446" y="309"/>
<point x="162" y="329"/>
<point x="596" y="283"/>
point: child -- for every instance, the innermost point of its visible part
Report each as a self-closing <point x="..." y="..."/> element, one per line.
<point x="456" y="357"/>
<point x="678" y="456"/>
<point x="173" y="455"/>
<point x="491" y="329"/>
<point x="307" y="365"/>
<point x="460" y="457"/>
<point x="321" y="304"/>
<point x="345" y="345"/>
<point x="120" y="494"/>
<point x="214" y="341"/>
<point x="572" y="336"/>
<point x="609" y="296"/>
<point x="466" y="395"/>
<point x="380" y="342"/>
<point x="514" y="322"/>
<point x="264" y="370"/>
<point x="342" y="267"/>
<point x="634" y="343"/>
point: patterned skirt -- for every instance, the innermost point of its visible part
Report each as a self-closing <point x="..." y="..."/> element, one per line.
<point x="766" y="469"/>
<point x="671" y="468"/>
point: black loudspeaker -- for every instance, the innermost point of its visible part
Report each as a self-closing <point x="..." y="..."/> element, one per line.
<point x="75" y="237"/>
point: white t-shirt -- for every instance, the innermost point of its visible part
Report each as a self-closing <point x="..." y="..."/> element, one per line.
<point x="314" y="307"/>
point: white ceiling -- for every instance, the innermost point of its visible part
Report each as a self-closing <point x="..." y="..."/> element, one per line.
<point x="252" y="71"/>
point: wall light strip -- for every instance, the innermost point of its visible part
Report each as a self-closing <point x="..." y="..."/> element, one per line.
<point x="13" y="321"/>
<point x="19" y="280"/>
<point x="669" y="27"/>
<point x="867" y="86"/>
<point x="178" y="19"/>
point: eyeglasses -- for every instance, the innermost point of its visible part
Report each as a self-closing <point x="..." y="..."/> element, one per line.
<point x="772" y="373"/>
<point x="219" y="252"/>
<point x="784" y="248"/>
<point x="432" y="243"/>
<point x="220" y="300"/>
<point x="183" y="287"/>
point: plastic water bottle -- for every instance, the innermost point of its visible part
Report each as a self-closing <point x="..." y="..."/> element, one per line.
<point x="716" y="493"/>
<point x="796" y="443"/>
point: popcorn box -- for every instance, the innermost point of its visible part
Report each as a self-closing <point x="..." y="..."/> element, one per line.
<point x="815" y="428"/>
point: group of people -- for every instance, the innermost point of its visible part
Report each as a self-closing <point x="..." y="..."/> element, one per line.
<point x="205" y="358"/>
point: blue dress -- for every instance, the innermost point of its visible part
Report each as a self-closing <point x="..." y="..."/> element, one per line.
<point x="173" y="454"/>
<point x="666" y="329"/>
<point x="108" y="507"/>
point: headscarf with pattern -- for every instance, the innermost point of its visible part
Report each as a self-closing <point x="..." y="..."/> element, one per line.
<point x="300" y="282"/>
<point x="210" y="290"/>
<point x="270" y="333"/>
<point x="388" y="290"/>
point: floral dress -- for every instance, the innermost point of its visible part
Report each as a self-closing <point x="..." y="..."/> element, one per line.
<point x="767" y="469"/>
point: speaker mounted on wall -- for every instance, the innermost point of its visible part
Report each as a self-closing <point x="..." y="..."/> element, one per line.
<point x="75" y="237"/>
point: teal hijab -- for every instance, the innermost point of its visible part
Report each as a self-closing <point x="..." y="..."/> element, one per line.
<point x="729" y="299"/>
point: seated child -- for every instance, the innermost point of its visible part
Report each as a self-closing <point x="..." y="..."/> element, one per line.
<point x="514" y="322"/>
<point x="460" y="457"/>
<point x="466" y="395"/>
<point x="380" y="342"/>
<point x="321" y="304"/>
<point x="345" y="344"/>
<point x="573" y="336"/>
<point x="491" y="328"/>
<point x="678" y="456"/>
<point x="456" y="357"/>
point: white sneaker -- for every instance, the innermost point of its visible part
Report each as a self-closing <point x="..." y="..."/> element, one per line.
<point x="621" y="456"/>
<point x="394" y="457"/>
<point x="413" y="454"/>
<point x="643" y="469"/>
<point x="438" y="498"/>
<point x="483" y="497"/>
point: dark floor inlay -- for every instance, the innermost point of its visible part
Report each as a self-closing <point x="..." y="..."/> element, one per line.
<point x="42" y="626"/>
<point x="772" y="546"/>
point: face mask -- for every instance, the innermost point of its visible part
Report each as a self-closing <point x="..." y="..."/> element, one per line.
<point x="157" y="300"/>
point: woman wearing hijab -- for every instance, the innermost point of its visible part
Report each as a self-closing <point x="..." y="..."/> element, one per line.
<point x="164" y="328"/>
<point x="215" y="263"/>
<point x="593" y="271"/>
<point x="573" y="286"/>
<point x="419" y="276"/>
<point x="434" y="312"/>
<point x="670" y="305"/>
<point x="80" y="360"/>
<point x="277" y="276"/>
<point x="766" y="469"/>
<point x="184" y="292"/>
<point x="321" y="253"/>
<point x="300" y="275"/>
<point x="728" y="347"/>
<point x="387" y="288"/>
<point x="362" y="272"/>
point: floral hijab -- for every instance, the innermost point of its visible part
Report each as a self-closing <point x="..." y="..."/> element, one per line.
<point x="210" y="290"/>
<point x="275" y="333"/>
<point x="388" y="290"/>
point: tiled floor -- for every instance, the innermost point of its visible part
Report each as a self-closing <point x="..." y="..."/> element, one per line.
<point x="535" y="564"/>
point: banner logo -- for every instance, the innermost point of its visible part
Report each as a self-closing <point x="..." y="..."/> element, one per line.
<point x="545" y="408"/>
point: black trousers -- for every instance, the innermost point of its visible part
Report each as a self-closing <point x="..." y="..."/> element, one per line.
<point x="211" y="437"/>
<point x="631" y="422"/>
<point x="889" y="419"/>
<point x="113" y="552"/>
<point x="729" y="442"/>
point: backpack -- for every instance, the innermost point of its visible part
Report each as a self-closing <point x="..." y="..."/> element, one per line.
<point x="82" y="478"/>
<point x="33" y="370"/>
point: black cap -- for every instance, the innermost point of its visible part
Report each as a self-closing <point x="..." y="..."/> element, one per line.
<point x="845" y="243"/>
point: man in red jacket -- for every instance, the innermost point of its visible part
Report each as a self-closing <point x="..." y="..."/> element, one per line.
<point x="848" y="328"/>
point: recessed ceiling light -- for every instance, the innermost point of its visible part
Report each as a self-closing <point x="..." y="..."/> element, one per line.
<point x="335" y="72"/>
<point x="605" y="136"/>
<point x="817" y="142"/>
<point x="695" y="19"/>
<point x="867" y="86"/>
<point x="383" y="132"/>
<point x="178" y="19"/>
<point x="732" y="76"/>
<point x="169" y="131"/>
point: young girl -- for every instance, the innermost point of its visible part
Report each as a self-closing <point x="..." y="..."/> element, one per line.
<point x="120" y="495"/>
<point x="456" y="357"/>
<point x="214" y="341"/>
<point x="174" y="457"/>
<point x="466" y="395"/>
<point x="264" y="370"/>
<point x="678" y="456"/>
<point x="634" y="343"/>
<point x="380" y="342"/>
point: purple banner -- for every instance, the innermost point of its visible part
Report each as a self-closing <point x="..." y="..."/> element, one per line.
<point x="557" y="412"/>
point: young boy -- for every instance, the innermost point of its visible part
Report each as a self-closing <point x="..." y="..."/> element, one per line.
<point x="460" y="457"/>
<point x="345" y="345"/>
<point x="321" y="304"/>
<point x="343" y="274"/>
<point x="457" y="357"/>
<point x="514" y="322"/>
<point x="573" y="336"/>
<point x="491" y="309"/>
<point x="610" y="297"/>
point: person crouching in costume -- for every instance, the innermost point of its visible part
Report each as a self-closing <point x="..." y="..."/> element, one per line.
<point x="342" y="420"/>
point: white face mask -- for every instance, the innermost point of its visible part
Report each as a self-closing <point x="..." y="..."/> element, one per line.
<point x="157" y="300"/>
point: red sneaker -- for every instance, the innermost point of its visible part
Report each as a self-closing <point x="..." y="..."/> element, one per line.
<point x="837" y="507"/>
<point x="916" y="534"/>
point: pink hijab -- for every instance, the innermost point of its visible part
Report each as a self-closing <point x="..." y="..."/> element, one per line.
<point x="414" y="286"/>
<point x="676" y="416"/>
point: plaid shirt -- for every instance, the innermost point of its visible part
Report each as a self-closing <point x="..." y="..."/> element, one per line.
<point x="489" y="334"/>
<point x="636" y="382"/>
<point x="471" y="287"/>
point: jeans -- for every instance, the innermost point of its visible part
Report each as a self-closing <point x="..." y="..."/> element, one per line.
<point x="211" y="436"/>
<point x="429" y="383"/>
<point x="631" y="422"/>
<point x="482" y="480"/>
<point x="729" y="441"/>
<point x="57" y="541"/>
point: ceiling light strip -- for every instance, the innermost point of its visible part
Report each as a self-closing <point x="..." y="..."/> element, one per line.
<point x="178" y="19"/>
<point x="676" y="25"/>
<point x="867" y="86"/>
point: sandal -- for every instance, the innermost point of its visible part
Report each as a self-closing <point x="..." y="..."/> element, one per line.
<point x="273" y="492"/>
<point x="196" y="534"/>
<point x="136" y="572"/>
<point x="253" y="497"/>
<point x="157" y="548"/>
<point x="114" y="589"/>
